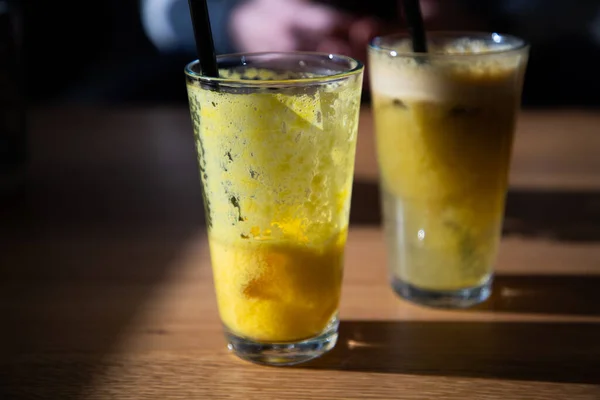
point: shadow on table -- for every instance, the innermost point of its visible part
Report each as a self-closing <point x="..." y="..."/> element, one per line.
<point x="544" y="294"/>
<point x="552" y="352"/>
<point x="552" y="215"/>
<point x="88" y="241"/>
<point x="366" y="206"/>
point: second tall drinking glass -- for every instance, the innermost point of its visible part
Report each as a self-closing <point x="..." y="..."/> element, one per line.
<point x="444" y="124"/>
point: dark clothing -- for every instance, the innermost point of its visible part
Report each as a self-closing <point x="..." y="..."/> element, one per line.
<point x="169" y="25"/>
<point x="219" y="10"/>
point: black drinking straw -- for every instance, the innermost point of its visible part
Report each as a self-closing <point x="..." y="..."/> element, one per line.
<point x="416" y="28"/>
<point x="203" y="36"/>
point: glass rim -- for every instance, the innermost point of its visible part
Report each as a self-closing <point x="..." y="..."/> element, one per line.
<point x="520" y="44"/>
<point x="355" y="67"/>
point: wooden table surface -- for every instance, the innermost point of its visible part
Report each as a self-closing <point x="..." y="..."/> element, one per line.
<point x="106" y="289"/>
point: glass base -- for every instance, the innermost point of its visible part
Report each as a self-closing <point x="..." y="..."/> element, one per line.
<point x="462" y="298"/>
<point x="288" y="353"/>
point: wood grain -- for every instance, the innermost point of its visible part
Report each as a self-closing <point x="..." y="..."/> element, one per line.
<point x="106" y="288"/>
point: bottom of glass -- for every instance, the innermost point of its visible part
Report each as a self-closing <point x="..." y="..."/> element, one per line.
<point x="462" y="298"/>
<point x="288" y="353"/>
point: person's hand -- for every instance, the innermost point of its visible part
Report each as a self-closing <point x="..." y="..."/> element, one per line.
<point x="299" y="25"/>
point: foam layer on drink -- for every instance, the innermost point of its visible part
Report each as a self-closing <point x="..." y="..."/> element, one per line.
<point x="467" y="71"/>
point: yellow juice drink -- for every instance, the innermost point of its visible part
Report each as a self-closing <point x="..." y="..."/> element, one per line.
<point x="276" y="154"/>
<point x="444" y="126"/>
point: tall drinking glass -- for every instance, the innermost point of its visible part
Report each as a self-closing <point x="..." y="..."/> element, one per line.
<point x="444" y="124"/>
<point x="276" y="137"/>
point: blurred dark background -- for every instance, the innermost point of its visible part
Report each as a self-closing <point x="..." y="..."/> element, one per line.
<point x="133" y="51"/>
<point x="77" y="51"/>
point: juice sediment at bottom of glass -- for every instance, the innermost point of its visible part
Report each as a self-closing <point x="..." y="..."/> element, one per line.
<point x="277" y="291"/>
<point x="444" y="136"/>
<point x="276" y="167"/>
